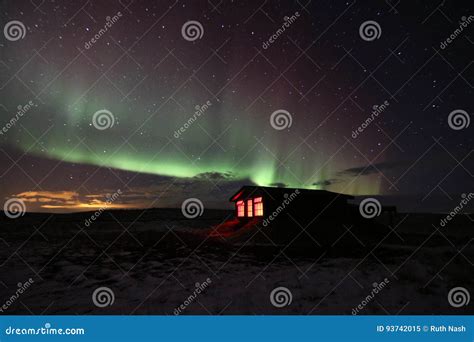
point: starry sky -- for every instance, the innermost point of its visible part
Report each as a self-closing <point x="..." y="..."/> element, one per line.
<point x="189" y="114"/>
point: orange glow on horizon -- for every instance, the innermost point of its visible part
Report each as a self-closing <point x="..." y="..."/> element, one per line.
<point x="97" y="205"/>
<point x="73" y="201"/>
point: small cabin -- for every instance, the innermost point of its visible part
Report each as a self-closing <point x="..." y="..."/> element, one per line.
<point x="259" y="202"/>
<point x="302" y="219"/>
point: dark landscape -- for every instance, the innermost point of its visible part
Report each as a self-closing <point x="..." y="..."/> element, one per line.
<point x="152" y="260"/>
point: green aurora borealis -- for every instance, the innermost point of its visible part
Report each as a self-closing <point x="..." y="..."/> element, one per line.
<point x="248" y="149"/>
<point x="141" y="139"/>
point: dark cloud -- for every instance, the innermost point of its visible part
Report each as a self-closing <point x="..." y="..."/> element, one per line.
<point x="370" y="169"/>
<point x="327" y="182"/>
<point x="212" y="188"/>
<point x="279" y="185"/>
<point x="215" y="175"/>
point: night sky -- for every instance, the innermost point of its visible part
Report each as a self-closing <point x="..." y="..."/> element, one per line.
<point x="118" y="111"/>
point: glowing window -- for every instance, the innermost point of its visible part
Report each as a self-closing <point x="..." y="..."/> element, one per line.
<point x="240" y="208"/>
<point x="249" y="208"/>
<point x="258" y="206"/>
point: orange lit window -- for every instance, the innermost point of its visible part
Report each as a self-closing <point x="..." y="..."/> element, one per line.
<point x="258" y="206"/>
<point x="249" y="208"/>
<point x="240" y="208"/>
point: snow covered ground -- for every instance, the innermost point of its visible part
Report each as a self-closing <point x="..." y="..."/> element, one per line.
<point x="155" y="264"/>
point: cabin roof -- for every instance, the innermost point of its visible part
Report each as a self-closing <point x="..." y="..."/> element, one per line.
<point x="250" y="190"/>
